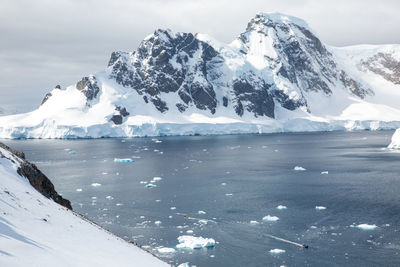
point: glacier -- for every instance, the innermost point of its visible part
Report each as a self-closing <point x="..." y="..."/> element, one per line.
<point x="276" y="76"/>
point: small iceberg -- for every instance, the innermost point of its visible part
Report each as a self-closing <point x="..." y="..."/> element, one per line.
<point x="201" y="212"/>
<point x="185" y="264"/>
<point x="254" y="222"/>
<point x="270" y="218"/>
<point x="320" y="208"/>
<point x="277" y="251"/>
<point x="166" y="250"/>
<point x="123" y="160"/>
<point x="157" y="222"/>
<point x="109" y="197"/>
<point x="281" y="207"/>
<point x="299" y="168"/>
<point x="192" y="242"/>
<point x="96" y="184"/>
<point x="79" y="190"/>
<point x="150" y="185"/>
<point x="365" y="226"/>
<point x="324" y="172"/>
<point x="157" y="178"/>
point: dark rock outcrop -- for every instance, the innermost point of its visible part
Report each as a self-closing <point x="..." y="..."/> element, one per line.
<point x="36" y="178"/>
<point x="383" y="64"/>
<point x="89" y="87"/>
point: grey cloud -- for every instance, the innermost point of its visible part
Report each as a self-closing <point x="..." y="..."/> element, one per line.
<point x="48" y="42"/>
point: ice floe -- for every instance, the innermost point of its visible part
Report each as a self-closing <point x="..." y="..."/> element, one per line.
<point x="123" y="160"/>
<point x="193" y="242"/>
<point x="109" y="197"/>
<point x="157" y="178"/>
<point x="79" y="190"/>
<point x="270" y="218"/>
<point x="281" y="207"/>
<point x="172" y="208"/>
<point x="150" y="185"/>
<point x="320" y="208"/>
<point x="324" y="172"/>
<point x="96" y="184"/>
<point x="201" y="212"/>
<point x="254" y="222"/>
<point x="277" y="251"/>
<point x="365" y="226"/>
<point x="157" y="222"/>
<point x="166" y="250"/>
<point x="299" y="168"/>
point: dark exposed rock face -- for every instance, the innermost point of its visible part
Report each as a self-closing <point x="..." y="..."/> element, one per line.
<point x="121" y="113"/>
<point x="37" y="179"/>
<point x="165" y="63"/>
<point x="252" y="95"/>
<point x="383" y="64"/>
<point x="88" y="86"/>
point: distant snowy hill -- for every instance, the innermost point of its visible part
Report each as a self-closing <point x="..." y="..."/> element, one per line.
<point x="36" y="231"/>
<point x="275" y="76"/>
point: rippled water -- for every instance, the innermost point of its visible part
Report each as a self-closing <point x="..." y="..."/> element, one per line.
<point x="235" y="180"/>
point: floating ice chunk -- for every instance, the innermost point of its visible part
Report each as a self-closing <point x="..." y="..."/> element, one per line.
<point x="365" y="226"/>
<point x="172" y="208"/>
<point x="157" y="178"/>
<point x="104" y="173"/>
<point x="170" y="216"/>
<point x="270" y="218"/>
<point x="281" y="207"/>
<point x="79" y="190"/>
<point x="142" y="217"/>
<point x="157" y="222"/>
<point x="223" y="184"/>
<point x="119" y="204"/>
<point x="185" y="264"/>
<point x="201" y="212"/>
<point x="67" y="149"/>
<point x="203" y="221"/>
<point x="94" y="198"/>
<point x="254" y="222"/>
<point x="166" y="250"/>
<point x="72" y="152"/>
<point x="192" y="242"/>
<point x="320" y="208"/>
<point x="277" y="251"/>
<point x="324" y="172"/>
<point x="158" y="200"/>
<point x="299" y="168"/>
<point x="123" y="160"/>
<point x="229" y="194"/>
<point x="109" y="197"/>
<point x="143" y="182"/>
<point x="156" y="150"/>
<point x="189" y="231"/>
<point x="96" y="184"/>
<point x="150" y="185"/>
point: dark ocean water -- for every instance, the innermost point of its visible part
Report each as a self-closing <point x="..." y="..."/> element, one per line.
<point x="235" y="180"/>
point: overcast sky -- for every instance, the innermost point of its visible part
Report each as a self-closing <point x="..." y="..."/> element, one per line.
<point x="48" y="42"/>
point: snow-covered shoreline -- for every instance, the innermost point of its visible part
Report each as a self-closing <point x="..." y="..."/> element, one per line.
<point x="36" y="231"/>
<point x="54" y="131"/>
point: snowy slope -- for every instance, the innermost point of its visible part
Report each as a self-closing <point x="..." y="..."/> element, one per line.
<point x="36" y="231"/>
<point x="275" y="76"/>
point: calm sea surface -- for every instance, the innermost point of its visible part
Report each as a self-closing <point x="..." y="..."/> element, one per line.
<point x="235" y="180"/>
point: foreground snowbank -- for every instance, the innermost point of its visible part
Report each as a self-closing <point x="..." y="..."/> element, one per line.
<point x="35" y="231"/>
<point x="53" y="130"/>
<point x="395" y="144"/>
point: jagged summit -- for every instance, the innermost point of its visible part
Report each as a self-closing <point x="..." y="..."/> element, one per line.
<point x="271" y="19"/>
<point x="275" y="72"/>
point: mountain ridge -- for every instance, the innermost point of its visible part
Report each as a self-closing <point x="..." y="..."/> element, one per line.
<point x="275" y="72"/>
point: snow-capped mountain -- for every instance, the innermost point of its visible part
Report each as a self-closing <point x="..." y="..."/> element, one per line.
<point x="36" y="231"/>
<point x="275" y="76"/>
